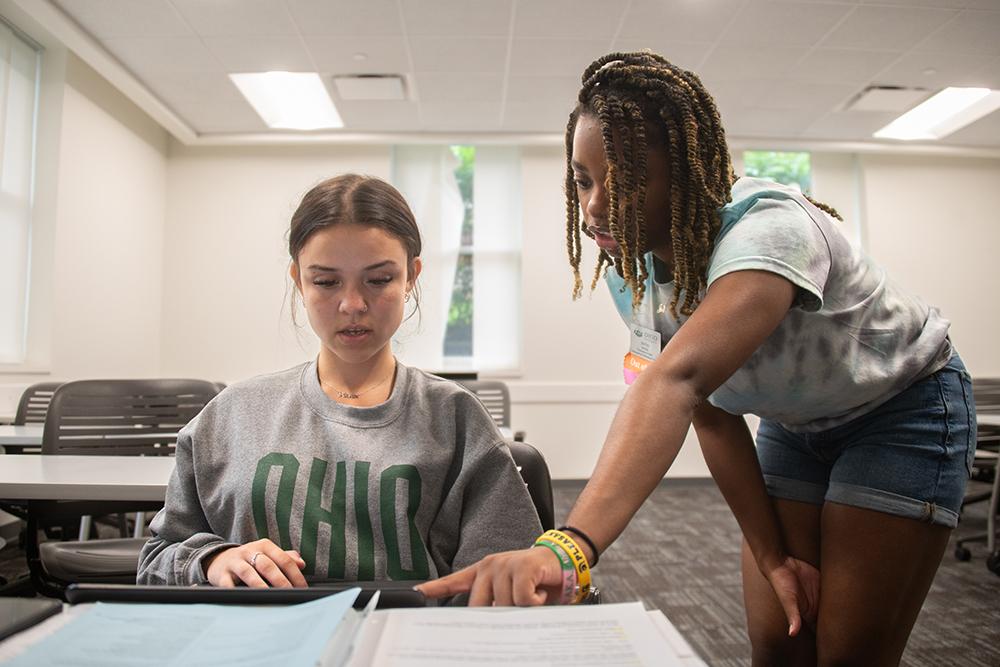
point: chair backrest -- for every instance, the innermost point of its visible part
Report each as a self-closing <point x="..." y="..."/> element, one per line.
<point x="494" y="396"/>
<point x="122" y="417"/>
<point x="987" y="394"/>
<point x="34" y="403"/>
<point x="531" y="464"/>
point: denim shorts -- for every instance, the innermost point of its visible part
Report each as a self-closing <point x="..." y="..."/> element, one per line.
<point x="911" y="456"/>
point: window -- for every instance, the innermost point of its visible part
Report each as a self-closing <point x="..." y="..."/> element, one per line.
<point x="792" y="169"/>
<point x="467" y="203"/>
<point x="458" y="333"/>
<point x="19" y="82"/>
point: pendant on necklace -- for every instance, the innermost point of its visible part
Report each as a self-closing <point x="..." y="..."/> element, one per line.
<point x="345" y="394"/>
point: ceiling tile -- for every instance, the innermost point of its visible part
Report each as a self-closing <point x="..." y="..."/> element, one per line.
<point x="261" y="54"/>
<point x="209" y="102"/>
<point x="767" y="123"/>
<point x="678" y="19"/>
<point x="937" y="70"/>
<point x="146" y="55"/>
<point x="462" y="116"/>
<point x="469" y="18"/>
<point x="379" y="116"/>
<point x="457" y="54"/>
<point x="346" y="17"/>
<point x="567" y="19"/>
<point x="736" y="93"/>
<point x="534" y="89"/>
<point x="972" y="31"/>
<point x="783" y="23"/>
<point x="842" y="65"/>
<point x="687" y="55"/>
<point x="479" y="87"/>
<point x="341" y="55"/>
<point x="126" y="18"/>
<point x="984" y="132"/>
<point x="806" y="95"/>
<point x="731" y="62"/>
<point x="554" y="57"/>
<point x="248" y="18"/>
<point x="887" y="28"/>
<point x="534" y="117"/>
<point x="848" y="125"/>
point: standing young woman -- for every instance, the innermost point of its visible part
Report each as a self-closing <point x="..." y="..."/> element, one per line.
<point x="743" y="297"/>
<point x="352" y="465"/>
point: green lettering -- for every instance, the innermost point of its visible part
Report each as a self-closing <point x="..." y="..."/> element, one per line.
<point x="387" y="510"/>
<point x="366" y="540"/>
<point x="315" y="513"/>
<point x="286" y="489"/>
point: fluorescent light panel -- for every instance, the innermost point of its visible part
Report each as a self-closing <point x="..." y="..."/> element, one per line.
<point x="942" y="114"/>
<point x="289" y="100"/>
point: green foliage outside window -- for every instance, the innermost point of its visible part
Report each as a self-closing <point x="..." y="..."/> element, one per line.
<point x="458" y="334"/>
<point x="787" y="168"/>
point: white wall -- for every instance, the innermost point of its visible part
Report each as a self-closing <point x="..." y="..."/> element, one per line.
<point x="934" y="223"/>
<point x="98" y="233"/>
<point x="225" y="309"/>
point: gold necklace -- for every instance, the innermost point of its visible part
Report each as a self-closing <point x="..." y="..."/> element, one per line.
<point x="359" y="394"/>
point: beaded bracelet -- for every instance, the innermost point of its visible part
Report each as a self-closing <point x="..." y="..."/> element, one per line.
<point x="569" y="545"/>
<point x="568" y="592"/>
<point x="586" y="538"/>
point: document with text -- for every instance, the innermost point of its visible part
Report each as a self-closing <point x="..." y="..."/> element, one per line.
<point x="609" y="634"/>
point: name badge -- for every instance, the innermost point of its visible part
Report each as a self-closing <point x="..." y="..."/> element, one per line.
<point x="644" y="347"/>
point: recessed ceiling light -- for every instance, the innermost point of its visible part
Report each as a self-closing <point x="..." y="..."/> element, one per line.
<point x="942" y="114"/>
<point x="289" y="100"/>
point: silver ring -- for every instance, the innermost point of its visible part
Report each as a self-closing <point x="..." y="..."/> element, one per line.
<point x="253" y="559"/>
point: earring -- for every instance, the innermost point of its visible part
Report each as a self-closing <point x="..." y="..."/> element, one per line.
<point x="406" y="299"/>
<point x="365" y="309"/>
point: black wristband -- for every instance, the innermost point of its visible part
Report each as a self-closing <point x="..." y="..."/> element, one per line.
<point x="583" y="536"/>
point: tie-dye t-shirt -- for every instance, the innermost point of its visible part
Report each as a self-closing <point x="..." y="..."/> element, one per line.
<point x="853" y="338"/>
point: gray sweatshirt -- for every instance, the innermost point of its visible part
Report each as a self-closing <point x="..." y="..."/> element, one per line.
<point x="414" y="488"/>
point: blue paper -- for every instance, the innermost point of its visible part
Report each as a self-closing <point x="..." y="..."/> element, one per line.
<point x="110" y="635"/>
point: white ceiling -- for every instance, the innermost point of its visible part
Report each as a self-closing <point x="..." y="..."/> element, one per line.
<point x="778" y="68"/>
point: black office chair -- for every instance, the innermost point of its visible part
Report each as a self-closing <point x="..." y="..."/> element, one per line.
<point x="105" y="417"/>
<point x="31" y="409"/>
<point x="34" y="403"/>
<point x="495" y="397"/>
<point x="987" y="394"/>
<point x="535" y="471"/>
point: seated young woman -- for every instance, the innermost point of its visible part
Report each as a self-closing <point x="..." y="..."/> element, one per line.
<point x="351" y="466"/>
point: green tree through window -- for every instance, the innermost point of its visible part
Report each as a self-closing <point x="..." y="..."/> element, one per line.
<point x="787" y="168"/>
<point x="458" y="334"/>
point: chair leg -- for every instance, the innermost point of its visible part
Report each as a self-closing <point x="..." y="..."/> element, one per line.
<point x="85" y="523"/>
<point x="140" y="524"/>
<point x="991" y="518"/>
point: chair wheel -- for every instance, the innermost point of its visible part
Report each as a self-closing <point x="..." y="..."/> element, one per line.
<point x="993" y="563"/>
<point x="962" y="554"/>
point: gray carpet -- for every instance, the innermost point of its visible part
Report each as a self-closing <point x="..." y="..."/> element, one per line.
<point x="681" y="555"/>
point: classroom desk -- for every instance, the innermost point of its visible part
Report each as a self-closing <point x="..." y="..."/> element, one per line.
<point x="24" y="435"/>
<point x="46" y="477"/>
<point x="31" y="434"/>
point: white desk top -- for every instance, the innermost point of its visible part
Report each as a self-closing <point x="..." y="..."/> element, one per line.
<point x="28" y="434"/>
<point x="42" y="477"/>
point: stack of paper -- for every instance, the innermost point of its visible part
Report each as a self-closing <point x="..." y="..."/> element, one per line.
<point x="330" y="633"/>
